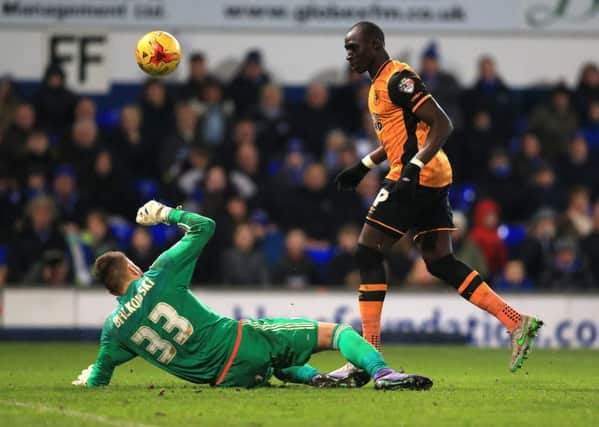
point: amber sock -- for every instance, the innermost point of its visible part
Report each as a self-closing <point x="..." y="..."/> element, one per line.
<point x="475" y="290"/>
<point x="371" y="298"/>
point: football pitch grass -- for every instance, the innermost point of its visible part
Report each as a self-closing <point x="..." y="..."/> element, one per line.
<point x="473" y="387"/>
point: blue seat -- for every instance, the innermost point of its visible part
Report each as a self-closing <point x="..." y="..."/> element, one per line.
<point x="320" y="257"/>
<point x="462" y="196"/>
<point x="122" y="232"/>
<point x="146" y="189"/>
<point x="108" y="119"/>
<point x="3" y="254"/>
<point x="162" y="234"/>
<point x="512" y="234"/>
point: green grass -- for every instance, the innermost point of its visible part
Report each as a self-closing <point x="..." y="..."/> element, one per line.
<point x="472" y="388"/>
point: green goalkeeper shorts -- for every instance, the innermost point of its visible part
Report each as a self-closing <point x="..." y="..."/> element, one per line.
<point x="269" y="344"/>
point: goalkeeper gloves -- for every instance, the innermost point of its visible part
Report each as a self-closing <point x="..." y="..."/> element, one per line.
<point x="152" y="213"/>
<point x="83" y="376"/>
<point x="349" y="178"/>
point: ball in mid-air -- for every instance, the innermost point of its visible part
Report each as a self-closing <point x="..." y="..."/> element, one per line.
<point x="158" y="53"/>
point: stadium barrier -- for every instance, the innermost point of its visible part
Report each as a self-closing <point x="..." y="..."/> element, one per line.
<point x="571" y="320"/>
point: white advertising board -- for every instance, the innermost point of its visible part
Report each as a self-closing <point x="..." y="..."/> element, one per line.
<point x="580" y="16"/>
<point x="571" y="320"/>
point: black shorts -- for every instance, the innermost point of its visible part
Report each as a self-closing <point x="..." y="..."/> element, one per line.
<point x="427" y="211"/>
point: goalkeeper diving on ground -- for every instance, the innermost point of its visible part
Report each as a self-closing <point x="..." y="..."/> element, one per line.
<point x="159" y="319"/>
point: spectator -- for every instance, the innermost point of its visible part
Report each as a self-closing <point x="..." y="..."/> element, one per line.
<point x="3" y="267"/>
<point x="35" y="183"/>
<point x="590" y="245"/>
<point x="528" y="157"/>
<point x="129" y="145"/>
<point x="82" y="149"/>
<point x="85" y="109"/>
<point x="591" y="128"/>
<point x="54" y="102"/>
<point x="513" y="278"/>
<point x="216" y="191"/>
<point x="490" y="93"/>
<point x="336" y="140"/>
<point x="38" y="236"/>
<point x="314" y="110"/>
<point x="245" y="176"/>
<point x="544" y="190"/>
<point x="190" y="180"/>
<point x="70" y="204"/>
<point x="52" y="270"/>
<point x="177" y="145"/>
<point x="568" y="269"/>
<point x="343" y="269"/>
<point x="38" y="155"/>
<point x="576" y="221"/>
<point x="198" y="73"/>
<point x="295" y="270"/>
<point x="350" y="99"/>
<point x="242" y="264"/>
<point x="97" y="235"/>
<point x="465" y="249"/>
<point x="10" y="200"/>
<point x="478" y="141"/>
<point x="500" y="183"/>
<point x="8" y="102"/>
<point x="215" y="113"/>
<point x="12" y="142"/>
<point x="312" y="207"/>
<point x="158" y="118"/>
<point x="272" y="121"/>
<point x="245" y="87"/>
<point x="555" y="122"/>
<point x="444" y="86"/>
<point x="578" y="167"/>
<point x="536" y="249"/>
<point x="484" y="233"/>
<point x="244" y="131"/>
<point x="587" y="90"/>
<point x="107" y="175"/>
<point x="142" y="251"/>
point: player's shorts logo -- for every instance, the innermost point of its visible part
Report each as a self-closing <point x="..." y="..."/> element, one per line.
<point x="381" y="197"/>
<point x="406" y="85"/>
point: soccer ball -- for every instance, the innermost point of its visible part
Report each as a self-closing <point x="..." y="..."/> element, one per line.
<point x="158" y="53"/>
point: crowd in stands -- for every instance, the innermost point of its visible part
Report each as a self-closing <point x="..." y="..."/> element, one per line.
<point x="525" y="188"/>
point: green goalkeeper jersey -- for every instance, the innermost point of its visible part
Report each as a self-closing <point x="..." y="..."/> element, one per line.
<point x="160" y="319"/>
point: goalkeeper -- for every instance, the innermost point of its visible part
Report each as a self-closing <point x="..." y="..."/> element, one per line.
<point x="159" y="319"/>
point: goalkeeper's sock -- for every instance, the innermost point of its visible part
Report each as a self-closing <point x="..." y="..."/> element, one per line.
<point x="357" y="350"/>
<point x="371" y="298"/>
<point x="298" y="374"/>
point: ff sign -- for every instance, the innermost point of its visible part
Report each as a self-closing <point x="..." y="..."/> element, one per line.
<point x="83" y="58"/>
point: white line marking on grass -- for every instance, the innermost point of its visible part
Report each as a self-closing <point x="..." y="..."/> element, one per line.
<point x="75" y="414"/>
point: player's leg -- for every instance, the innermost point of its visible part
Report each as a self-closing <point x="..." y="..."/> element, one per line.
<point x="440" y="261"/>
<point x="372" y="245"/>
<point x="363" y="355"/>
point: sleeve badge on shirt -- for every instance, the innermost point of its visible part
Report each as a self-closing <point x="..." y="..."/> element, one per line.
<point x="406" y="85"/>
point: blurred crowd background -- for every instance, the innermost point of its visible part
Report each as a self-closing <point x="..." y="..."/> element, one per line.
<point x="260" y="159"/>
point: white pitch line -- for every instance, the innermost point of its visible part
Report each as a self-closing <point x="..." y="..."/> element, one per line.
<point x="75" y="414"/>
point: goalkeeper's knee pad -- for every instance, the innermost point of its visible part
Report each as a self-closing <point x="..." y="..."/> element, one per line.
<point x="370" y="263"/>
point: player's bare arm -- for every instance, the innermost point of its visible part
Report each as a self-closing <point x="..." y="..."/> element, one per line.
<point x="441" y="127"/>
